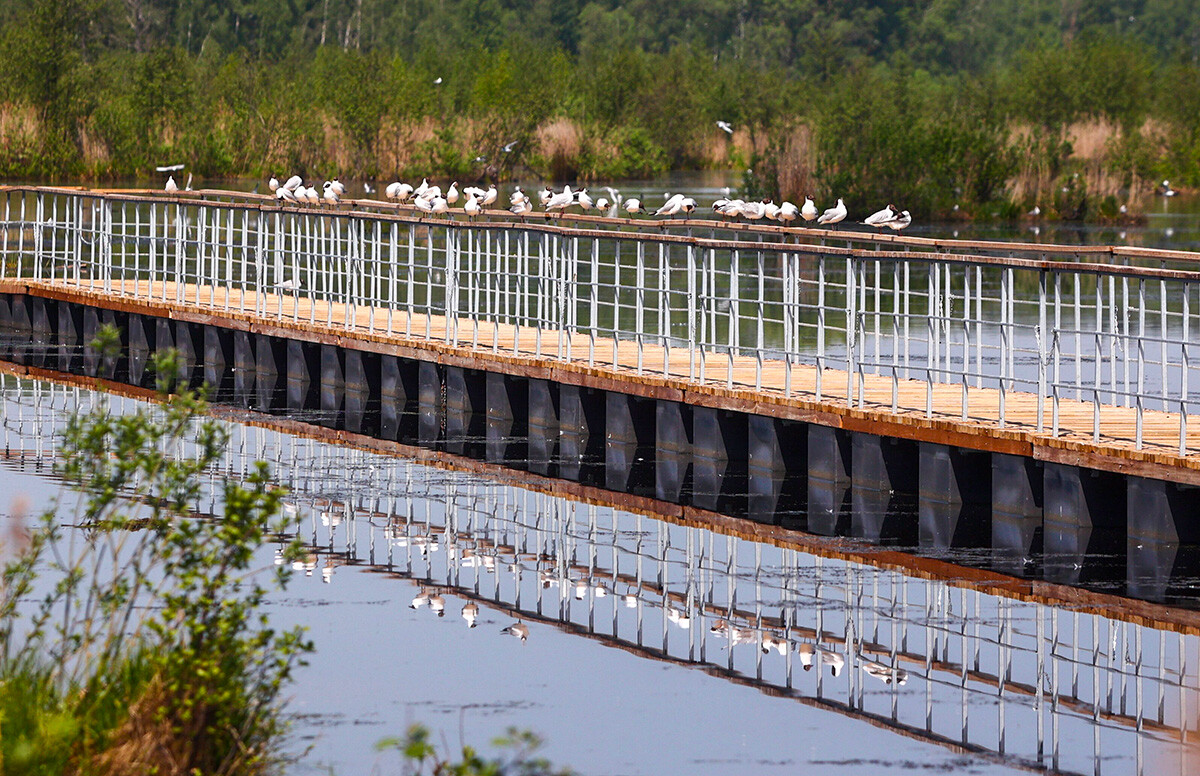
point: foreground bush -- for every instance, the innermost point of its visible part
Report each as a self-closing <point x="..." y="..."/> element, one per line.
<point x="133" y="642"/>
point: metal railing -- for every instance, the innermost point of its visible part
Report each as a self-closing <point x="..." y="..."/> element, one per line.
<point x="1043" y="344"/>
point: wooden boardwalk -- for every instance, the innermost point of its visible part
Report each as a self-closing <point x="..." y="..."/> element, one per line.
<point x="707" y="379"/>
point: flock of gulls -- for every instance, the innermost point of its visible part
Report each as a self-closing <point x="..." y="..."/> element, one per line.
<point x="474" y="201"/>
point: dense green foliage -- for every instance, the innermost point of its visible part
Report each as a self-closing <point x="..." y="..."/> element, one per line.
<point x="135" y="642"/>
<point x="986" y="105"/>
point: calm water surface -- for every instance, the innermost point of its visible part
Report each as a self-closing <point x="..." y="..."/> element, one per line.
<point x="655" y="647"/>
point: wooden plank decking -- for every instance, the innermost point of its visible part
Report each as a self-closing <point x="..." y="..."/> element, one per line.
<point x="578" y="359"/>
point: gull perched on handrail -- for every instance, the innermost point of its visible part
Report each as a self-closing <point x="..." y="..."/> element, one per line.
<point x="834" y="214"/>
<point x="880" y="217"/>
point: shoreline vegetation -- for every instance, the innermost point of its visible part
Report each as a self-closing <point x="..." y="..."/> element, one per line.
<point x="953" y="110"/>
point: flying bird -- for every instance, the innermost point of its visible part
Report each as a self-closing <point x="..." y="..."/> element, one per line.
<point x="726" y="127"/>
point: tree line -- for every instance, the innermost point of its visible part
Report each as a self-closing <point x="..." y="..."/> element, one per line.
<point x="955" y="107"/>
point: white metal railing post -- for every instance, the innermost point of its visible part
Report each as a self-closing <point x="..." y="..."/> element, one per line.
<point x="851" y="327"/>
<point x="38" y="235"/>
<point x="1043" y="355"/>
<point x="691" y="310"/>
<point x="735" y="313"/>
<point x="664" y="305"/>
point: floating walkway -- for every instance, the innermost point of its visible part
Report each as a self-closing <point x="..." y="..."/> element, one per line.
<point x="1042" y="394"/>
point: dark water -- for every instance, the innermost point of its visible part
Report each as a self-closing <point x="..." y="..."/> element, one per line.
<point x="655" y="647"/>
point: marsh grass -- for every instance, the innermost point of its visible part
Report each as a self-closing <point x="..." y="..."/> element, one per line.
<point x="134" y="642"/>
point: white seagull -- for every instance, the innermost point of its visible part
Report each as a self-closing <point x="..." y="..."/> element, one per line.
<point x="452" y="193"/>
<point x="284" y="194"/>
<point x="788" y="212"/>
<point x="489" y="196"/>
<point x="471" y="207"/>
<point x="331" y="195"/>
<point x="725" y="126"/>
<point x="672" y="205"/>
<point x="171" y="186"/>
<point x="880" y="217"/>
<point x="583" y="200"/>
<point x="273" y="184"/>
<point x="808" y="211"/>
<point x="634" y="205"/>
<point x="561" y="200"/>
<point x="291" y="183"/>
<point x="834" y="214"/>
<point x="900" y="221"/>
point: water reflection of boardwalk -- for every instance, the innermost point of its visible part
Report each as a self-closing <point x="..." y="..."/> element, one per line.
<point x="1071" y="689"/>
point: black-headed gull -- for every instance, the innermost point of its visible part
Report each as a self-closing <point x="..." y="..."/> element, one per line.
<point x="834" y="214"/>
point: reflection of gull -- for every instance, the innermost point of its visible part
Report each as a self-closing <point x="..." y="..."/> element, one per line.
<point x="331" y="519"/>
<point x="518" y="629"/>
<point x="547" y="579"/>
<point x="438" y="605"/>
<point x="832" y="659"/>
<point x="735" y="634"/>
<point x="581" y="588"/>
<point x="771" y="641"/>
<point x="471" y="559"/>
<point x="425" y="544"/>
<point x="327" y="571"/>
<point x="679" y="617"/>
<point x="306" y="565"/>
<point x="420" y="599"/>
<point x="631" y="600"/>
<point x="885" y="674"/>
<point x="470" y="613"/>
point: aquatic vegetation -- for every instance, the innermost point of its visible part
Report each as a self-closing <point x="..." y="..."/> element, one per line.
<point x="416" y="750"/>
